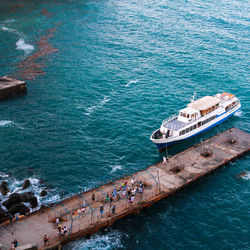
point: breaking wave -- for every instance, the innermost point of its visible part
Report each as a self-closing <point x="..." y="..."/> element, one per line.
<point x="131" y="82"/>
<point x="110" y="240"/>
<point x="4" y="28"/>
<point x="246" y="176"/>
<point x="15" y="185"/>
<point x="115" y="168"/>
<point x="20" y="44"/>
<point x="6" y="123"/>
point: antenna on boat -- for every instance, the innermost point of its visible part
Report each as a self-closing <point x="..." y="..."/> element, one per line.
<point x="194" y="96"/>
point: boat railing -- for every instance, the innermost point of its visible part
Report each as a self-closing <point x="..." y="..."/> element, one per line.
<point x="169" y="118"/>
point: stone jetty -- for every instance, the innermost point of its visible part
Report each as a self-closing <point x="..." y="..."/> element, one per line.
<point x="10" y="86"/>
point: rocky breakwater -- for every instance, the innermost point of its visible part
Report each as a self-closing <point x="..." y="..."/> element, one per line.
<point x="17" y="203"/>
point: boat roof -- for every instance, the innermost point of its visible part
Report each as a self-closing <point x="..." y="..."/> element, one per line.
<point x="188" y="110"/>
<point x="204" y="103"/>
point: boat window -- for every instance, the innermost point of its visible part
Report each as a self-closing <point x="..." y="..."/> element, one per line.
<point x="182" y="132"/>
<point x="209" y="119"/>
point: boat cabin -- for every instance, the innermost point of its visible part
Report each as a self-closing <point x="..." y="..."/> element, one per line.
<point x="188" y="115"/>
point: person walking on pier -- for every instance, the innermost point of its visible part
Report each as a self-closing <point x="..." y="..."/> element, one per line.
<point x="59" y="230"/>
<point x="107" y="197"/>
<point x="14" y="244"/>
<point x="113" y="209"/>
<point x="65" y="230"/>
<point x="83" y="210"/>
<point x="93" y="197"/>
<point x="111" y="200"/>
<point x="45" y="239"/>
<point x="101" y="210"/>
<point x="10" y="217"/>
<point x="132" y="182"/>
<point x="132" y="199"/>
<point x="57" y="221"/>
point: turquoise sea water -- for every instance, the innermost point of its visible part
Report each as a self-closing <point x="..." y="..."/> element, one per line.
<point x="120" y="69"/>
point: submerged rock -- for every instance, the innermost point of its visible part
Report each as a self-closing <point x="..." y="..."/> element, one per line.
<point x="4" y="188"/>
<point x="18" y="208"/>
<point x="43" y="193"/>
<point x="26" y="184"/>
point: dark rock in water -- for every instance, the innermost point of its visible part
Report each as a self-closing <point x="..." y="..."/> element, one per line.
<point x="34" y="202"/>
<point x="13" y="199"/>
<point x="28" y="196"/>
<point x="18" y="208"/>
<point x="2" y="212"/>
<point x="4" y="188"/>
<point x="43" y="193"/>
<point x="17" y="198"/>
<point x="31" y="198"/>
<point x="26" y="184"/>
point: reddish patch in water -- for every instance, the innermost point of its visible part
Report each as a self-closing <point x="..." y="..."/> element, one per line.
<point x="46" y="13"/>
<point x="32" y="66"/>
<point x="14" y="7"/>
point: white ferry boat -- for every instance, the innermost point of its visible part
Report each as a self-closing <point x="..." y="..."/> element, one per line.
<point x="197" y="117"/>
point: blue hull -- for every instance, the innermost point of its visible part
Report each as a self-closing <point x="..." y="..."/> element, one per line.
<point x="162" y="146"/>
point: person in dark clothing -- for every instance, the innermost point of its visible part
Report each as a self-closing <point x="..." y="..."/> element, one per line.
<point x="101" y="210"/>
<point x="113" y="209"/>
<point x="10" y="219"/>
<point x="15" y="243"/>
<point x="45" y="239"/>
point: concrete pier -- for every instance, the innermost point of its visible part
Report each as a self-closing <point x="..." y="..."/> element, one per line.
<point x="10" y="87"/>
<point x="159" y="181"/>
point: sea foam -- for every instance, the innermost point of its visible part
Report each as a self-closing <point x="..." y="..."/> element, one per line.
<point x="110" y="240"/>
<point x="21" y="45"/>
<point x="246" y="176"/>
<point x="115" y="168"/>
<point x="91" y="109"/>
<point x="4" y="28"/>
<point x="238" y="113"/>
<point x="131" y="82"/>
<point x="6" y="123"/>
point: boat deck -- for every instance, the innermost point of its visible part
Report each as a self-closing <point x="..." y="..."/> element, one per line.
<point x="175" y="124"/>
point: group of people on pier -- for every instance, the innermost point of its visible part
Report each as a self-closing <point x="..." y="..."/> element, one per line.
<point x="125" y="190"/>
<point x="61" y="230"/>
